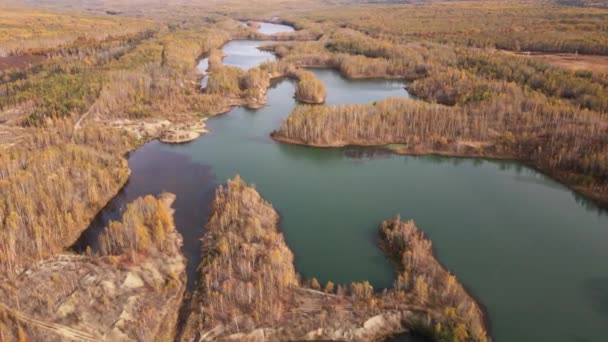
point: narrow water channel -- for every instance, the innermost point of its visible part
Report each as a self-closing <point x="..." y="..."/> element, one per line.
<point x="533" y="252"/>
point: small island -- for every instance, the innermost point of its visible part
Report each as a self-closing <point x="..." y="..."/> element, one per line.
<point x="183" y="133"/>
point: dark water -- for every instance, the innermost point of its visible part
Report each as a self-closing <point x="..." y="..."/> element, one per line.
<point x="534" y="253"/>
<point x="153" y="171"/>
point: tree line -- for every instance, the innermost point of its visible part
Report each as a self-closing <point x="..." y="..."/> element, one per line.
<point x="50" y="191"/>
<point x="541" y="26"/>
<point x="571" y="145"/>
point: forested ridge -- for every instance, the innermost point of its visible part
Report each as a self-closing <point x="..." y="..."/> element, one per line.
<point x="247" y="271"/>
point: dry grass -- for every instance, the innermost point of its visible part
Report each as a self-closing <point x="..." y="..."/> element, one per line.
<point x="570" y="61"/>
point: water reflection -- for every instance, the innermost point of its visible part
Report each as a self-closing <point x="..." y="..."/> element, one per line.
<point x="368" y="153"/>
<point x="154" y="171"/>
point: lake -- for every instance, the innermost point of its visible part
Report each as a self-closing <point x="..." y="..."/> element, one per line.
<point x="530" y="250"/>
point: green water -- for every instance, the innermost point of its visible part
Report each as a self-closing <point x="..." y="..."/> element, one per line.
<point x="532" y="252"/>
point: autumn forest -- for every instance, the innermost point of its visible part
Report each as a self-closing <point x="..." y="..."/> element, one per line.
<point x="84" y="85"/>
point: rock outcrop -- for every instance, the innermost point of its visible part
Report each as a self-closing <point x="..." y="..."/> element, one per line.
<point x="134" y="295"/>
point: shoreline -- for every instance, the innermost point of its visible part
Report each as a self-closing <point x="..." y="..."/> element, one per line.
<point x="309" y="101"/>
<point x="487" y="322"/>
<point x="599" y="200"/>
<point x="361" y="313"/>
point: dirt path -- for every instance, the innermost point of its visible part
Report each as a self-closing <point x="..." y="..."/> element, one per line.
<point x="78" y="123"/>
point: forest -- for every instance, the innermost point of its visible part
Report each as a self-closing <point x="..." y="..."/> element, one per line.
<point x="247" y="270"/>
<point x="43" y="33"/>
<point x="82" y="85"/>
<point x="544" y="25"/>
<point x="72" y="179"/>
<point x="469" y="102"/>
<point x="146" y="224"/>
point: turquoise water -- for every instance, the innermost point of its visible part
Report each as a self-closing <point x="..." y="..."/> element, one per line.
<point x="533" y="252"/>
<point x="530" y="250"/>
